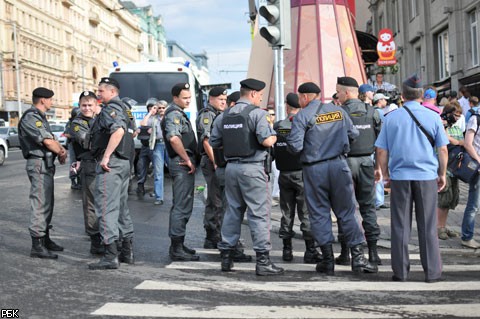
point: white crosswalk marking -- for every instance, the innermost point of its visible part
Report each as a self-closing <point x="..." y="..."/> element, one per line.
<point x="219" y="285"/>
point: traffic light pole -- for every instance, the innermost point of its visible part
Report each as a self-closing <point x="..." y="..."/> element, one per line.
<point x="280" y="105"/>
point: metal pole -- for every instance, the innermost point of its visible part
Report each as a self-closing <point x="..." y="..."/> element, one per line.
<point x="83" y="71"/>
<point x="2" y="90"/>
<point x="275" y="76"/>
<point x="280" y="111"/>
<point x="17" y="69"/>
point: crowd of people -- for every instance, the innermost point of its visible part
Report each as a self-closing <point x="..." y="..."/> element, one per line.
<point x="330" y="157"/>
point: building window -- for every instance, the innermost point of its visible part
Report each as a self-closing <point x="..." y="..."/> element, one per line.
<point x="414" y="7"/>
<point x="443" y="55"/>
<point x="472" y="17"/>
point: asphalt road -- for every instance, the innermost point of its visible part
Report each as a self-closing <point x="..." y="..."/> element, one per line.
<point x="156" y="287"/>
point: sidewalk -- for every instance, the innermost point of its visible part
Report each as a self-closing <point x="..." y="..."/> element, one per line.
<point x="454" y="222"/>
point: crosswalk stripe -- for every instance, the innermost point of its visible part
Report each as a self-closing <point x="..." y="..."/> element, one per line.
<point x="277" y="312"/>
<point x="295" y="286"/>
<point x="205" y="265"/>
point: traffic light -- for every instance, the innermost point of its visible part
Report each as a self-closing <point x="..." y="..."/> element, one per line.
<point x="278" y="31"/>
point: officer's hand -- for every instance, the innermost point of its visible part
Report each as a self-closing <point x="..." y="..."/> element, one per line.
<point x="441" y="182"/>
<point x="62" y="156"/>
<point x="386" y="180"/>
<point x="378" y="175"/>
<point x="104" y="164"/>
<point x="189" y="164"/>
<point x="77" y="165"/>
<point x="149" y="131"/>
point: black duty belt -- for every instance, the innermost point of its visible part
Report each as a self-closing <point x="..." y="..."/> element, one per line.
<point x="360" y="155"/>
<point x="325" y="160"/>
<point x="35" y="156"/>
<point x="244" y="162"/>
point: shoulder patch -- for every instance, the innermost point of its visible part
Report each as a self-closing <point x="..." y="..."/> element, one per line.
<point x="328" y="117"/>
<point x="176" y="120"/>
<point x="85" y="122"/>
<point x="206" y="120"/>
<point x="38" y="124"/>
<point x="113" y="114"/>
<point x="76" y="128"/>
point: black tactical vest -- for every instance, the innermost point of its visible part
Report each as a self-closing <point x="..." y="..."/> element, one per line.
<point x="284" y="160"/>
<point x="188" y="139"/>
<point x="200" y="128"/>
<point x="238" y="139"/>
<point x="126" y="148"/>
<point x="81" y="153"/>
<point x="28" y="146"/>
<point x="364" y="144"/>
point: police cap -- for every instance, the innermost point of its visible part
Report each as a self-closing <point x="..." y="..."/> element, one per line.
<point x="413" y="81"/>
<point x="177" y="88"/>
<point x="252" y="84"/>
<point x="347" y="81"/>
<point x="234" y="96"/>
<point x="292" y="100"/>
<point x="42" y="92"/>
<point x="217" y="91"/>
<point x="309" y="87"/>
<point x="88" y="94"/>
<point x="110" y="81"/>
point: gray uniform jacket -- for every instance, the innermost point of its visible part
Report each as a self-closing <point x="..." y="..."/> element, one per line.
<point x="258" y="121"/>
<point x="326" y="137"/>
<point x="34" y="128"/>
<point x="204" y="125"/>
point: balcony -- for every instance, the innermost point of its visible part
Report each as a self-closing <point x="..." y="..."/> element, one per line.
<point x="94" y="18"/>
<point x="118" y="32"/>
<point x="68" y="3"/>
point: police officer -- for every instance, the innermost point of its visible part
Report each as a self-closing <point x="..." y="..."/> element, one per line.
<point x="112" y="146"/>
<point x="327" y="178"/>
<point x="245" y="134"/>
<point x="217" y="98"/>
<point x="74" y="175"/>
<point x="233" y="98"/>
<point x="40" y="148"/>
<point x="181" y="146"/>
<point x="86" y="165"/>
<point x="290" y="182"/>
<point x="368" y="123"/>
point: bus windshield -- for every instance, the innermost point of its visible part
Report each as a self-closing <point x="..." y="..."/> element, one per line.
<point x="141" y="86"/>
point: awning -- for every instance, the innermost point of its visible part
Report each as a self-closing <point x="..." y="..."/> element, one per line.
<point x="368" y="45"/>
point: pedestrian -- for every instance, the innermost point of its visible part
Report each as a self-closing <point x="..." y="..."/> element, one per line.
<point x="326" y="175"/>
<point x="245" y="134"/>
<point x="366" y="93"/>
<point x="407" y="158"/>
<point x="39" y="148"/>
<point x="449" y="196"/>
<point x="181" y="146"/>
<point x="380" y="84"/>
<point x="213" y="216"/>
<point x="86" y="165"/>
<point x="152" y="150"/>
<point x="430" y="99"/>
<point x="360" y="161"/>
<point x="111" y="143"/>
<point x="290" y="182"/>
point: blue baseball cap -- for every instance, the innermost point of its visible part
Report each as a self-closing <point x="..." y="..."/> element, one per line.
<point x="364" y="88"/>
<point x="430" y="94"/>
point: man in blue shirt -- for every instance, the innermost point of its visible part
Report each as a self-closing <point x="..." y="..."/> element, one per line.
<point x="407" y="159"/>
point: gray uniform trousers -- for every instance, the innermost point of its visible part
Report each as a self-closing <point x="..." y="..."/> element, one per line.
<point x="111" y="195"/>
<point x="292" y="198"/>
<point x="220" y="175"/>
<point x="328" y="185"/>
<point x="247" y="189"/>
<point x="183" y="185"/>
<point x="403" y="195"/>
<point x="41" y="196"/>
<point x="364" y="185"/>
<point x="88" y="175"/>
<point x="213" y="205"/>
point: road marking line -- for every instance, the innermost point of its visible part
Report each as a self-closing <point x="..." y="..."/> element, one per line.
<point x="203" y="265"/>
<point x="312" y="285"/>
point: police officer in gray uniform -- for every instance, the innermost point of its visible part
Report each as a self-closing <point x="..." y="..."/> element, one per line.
<point x="181" y="146"/>
<point x="290" y="182"/>
<point x="245" y="134"/>
<point x="321" y="133"/>
<point x="213" y="216"/>
<point x="368" y="123"/>
<point x="86" y="165"/>
<point x="111" y="142"/>
<point x="40" y="148"/>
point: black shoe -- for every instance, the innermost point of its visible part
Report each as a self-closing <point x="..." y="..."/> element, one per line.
<point x="108" y="261"/>
<point x="126" y="252"/>
<point x="96" y="245"/>
<point x="140" y="190"/>
<point x="287" y="253"/>
<point x="312" y="255"/>
<point x="265" y="267"/>
<point x="50" y="244"/>
<point x="227" y="260"/>
<point x="383" y="206"/>
<point x="239" y="256"/>
<point x="178" y="251"/>
<point x="373" y="253"/>
<point x="39" y="250"/>
<point x="359" y="262"/>
<point x="432" y="281"/>
<point x="344" y="257"/>
<point x="209" y="244"/>
<point x="327" y="265"/>
<point x="395" y="278"/>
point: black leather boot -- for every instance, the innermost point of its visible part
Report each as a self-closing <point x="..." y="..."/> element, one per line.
<point x="327" y="265"/>
<point x="344" y="257"/>
<point x="312" y="255"/>
<point x="96" y="245"/>
<point x="211" y="240"/>
<point x="39" y="250"/>
<point x="372" y="253"/>
<point x="186" y="249"/>
<point x="227" y="260"/>
<point x="177" y="252"/>
<point x="265" y="267"/>
<point x="109" y="259"/>
<point x="359" y="262"/>
<point x="239" y="256"/>
<point x="126" y="253"/>
<point x="50" y="244"/>
<point x="287" y="253"/>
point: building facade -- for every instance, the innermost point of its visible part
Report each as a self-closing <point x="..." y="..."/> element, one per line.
<point x="65" y="45"/>
<point x="437" y="39"/>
